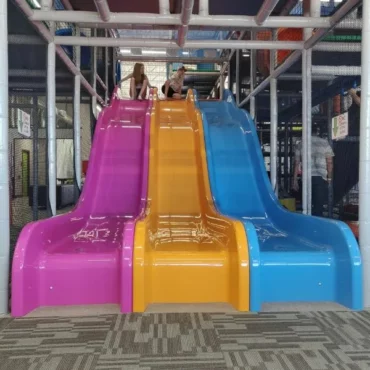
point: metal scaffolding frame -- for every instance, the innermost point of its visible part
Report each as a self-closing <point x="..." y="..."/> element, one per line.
<point x="103" y="18"/>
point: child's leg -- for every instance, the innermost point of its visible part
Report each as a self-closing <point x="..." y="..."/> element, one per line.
<point x="132" y="88"/>
<point x="166" y="87"/>
<point x="176" y="96"/>
<point x="142" y="94"/>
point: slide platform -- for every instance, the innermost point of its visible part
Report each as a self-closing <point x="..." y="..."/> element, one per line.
<point x="184" y="251"/>
<point x="85" y="257"/>
<point x="293" y="257"/>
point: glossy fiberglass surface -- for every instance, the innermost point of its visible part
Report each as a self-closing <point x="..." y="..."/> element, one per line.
<point x="293" y="257"/>
<point x="85" y="256"/>
<point x="184" y="252"/>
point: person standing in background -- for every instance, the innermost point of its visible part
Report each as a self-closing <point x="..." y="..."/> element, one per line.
<point x="321" y="171"/>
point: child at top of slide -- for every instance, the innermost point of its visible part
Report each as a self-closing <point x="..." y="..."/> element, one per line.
<point x="138" y="82"/>
<point x="172" y="87"/>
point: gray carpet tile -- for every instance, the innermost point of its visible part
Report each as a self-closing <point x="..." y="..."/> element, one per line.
<point x="189" y="341"/>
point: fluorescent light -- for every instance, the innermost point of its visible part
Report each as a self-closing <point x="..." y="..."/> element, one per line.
<point x="154" y="52"/>
<point x="185" y="53"/>
<point x="125" y="51"/>
<point x="246" y="55"/>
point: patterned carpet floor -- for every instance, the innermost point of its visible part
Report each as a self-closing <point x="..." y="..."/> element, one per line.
<point x="188" y="341"/>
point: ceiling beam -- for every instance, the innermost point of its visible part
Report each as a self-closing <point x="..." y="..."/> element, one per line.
<point x="172" y="44"/>
<point x="126" y="20"/>
<point x="169" y="59"/>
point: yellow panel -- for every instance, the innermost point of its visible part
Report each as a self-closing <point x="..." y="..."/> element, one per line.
<point x="184" y="251"/>
<point x="289" y="203"/>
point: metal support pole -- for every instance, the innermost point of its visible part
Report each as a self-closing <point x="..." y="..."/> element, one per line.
<point x="229" y="86"/>
<point x="273" y="123"/>
<point x="51" y="92"/>
<point x="106" y="72"/>
<point x="114" y="62"/>
<point x="306" y="119"/>
<point x="237" y="76"/>
<point x="313" y="11"/>
<point x="364" y="182"/>
<point x="330" y="185"/>
<point x="309" y="128"/>
<point x="4" y="161"/>
<point x="253" y="75"/>
<point x="94" y="70"/>
<point x="222" y="85"/>
<point x="77" y="122"/>
<point x="286" y="157"/>
<point x="35" y="164"/>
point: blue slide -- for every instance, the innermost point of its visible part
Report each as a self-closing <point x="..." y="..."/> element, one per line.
<point x="293" y="257"/>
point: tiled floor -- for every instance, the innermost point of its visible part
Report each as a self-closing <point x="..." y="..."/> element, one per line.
<point x="332" y="340"/>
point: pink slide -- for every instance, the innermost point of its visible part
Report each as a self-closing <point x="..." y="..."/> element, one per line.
<point x="85" y="257"/>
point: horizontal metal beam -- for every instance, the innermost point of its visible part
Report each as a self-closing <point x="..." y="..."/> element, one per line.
<point x="171" y="44"/>
<point x="202" y="73"/>
<point x="120" y="20"/>
<point x="161" y="58"/>
<point x="298" y="77"/>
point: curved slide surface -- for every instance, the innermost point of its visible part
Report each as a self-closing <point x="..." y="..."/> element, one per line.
<point x="85" y="257"/>
<point x="184" y="251"/>
<point x="292" y="257"/>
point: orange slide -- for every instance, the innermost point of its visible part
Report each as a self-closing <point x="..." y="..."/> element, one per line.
<point x="184" y="251"/>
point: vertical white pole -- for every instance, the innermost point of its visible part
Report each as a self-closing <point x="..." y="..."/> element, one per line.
<point x="364" y="183"/>
<point x="114" y="62"/>
<point x="304" y="132"/>
<point x="222" y="83"/>
<point x="237" y="75"/>
<point x="253" y="71"/>
<point x="106" y="70"/>
<point x="228" y="76"/>
<point x="305" y="116"/>
<point x="94" y="61"/>
<point x="273" y="122"/>
<point x="4" y="161"/>
<point x="311" y="8"/>
<point x="52" y="171"/>
<point x="77" y="116"/>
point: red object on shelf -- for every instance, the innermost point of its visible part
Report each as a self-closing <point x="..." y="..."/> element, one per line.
<point x="288" y="34"/>
<point x="284" y="34"/>
<point x="353" y="225"/>
<point x="85" y="165"/>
